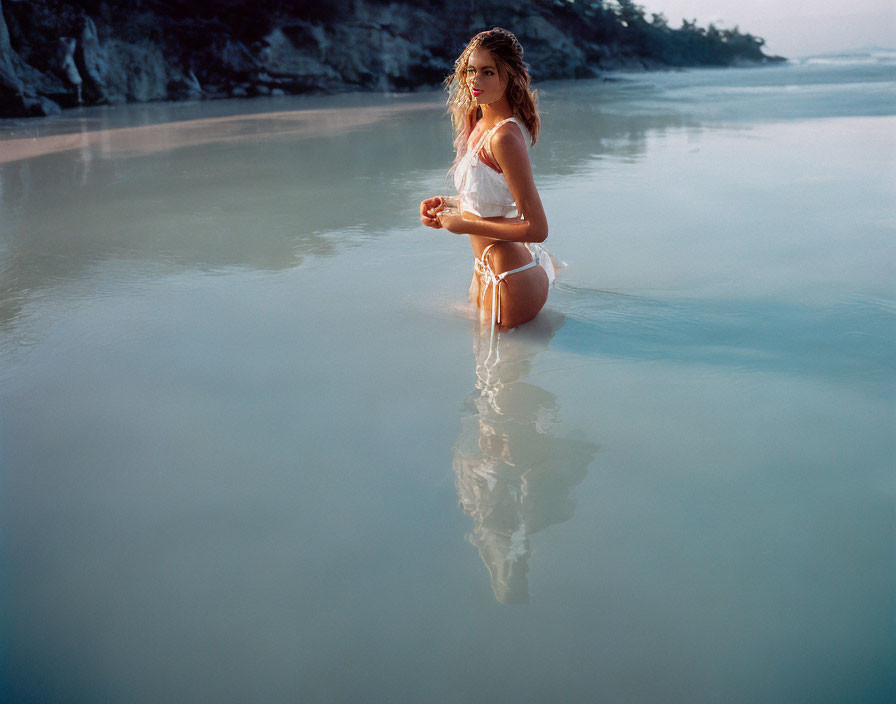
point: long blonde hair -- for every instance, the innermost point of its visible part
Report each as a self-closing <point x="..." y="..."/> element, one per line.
<point x="508" y="55"/>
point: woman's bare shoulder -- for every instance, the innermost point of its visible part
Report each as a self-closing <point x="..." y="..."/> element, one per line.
<point x="509" y="133"/>
<point x="509" y="143"/>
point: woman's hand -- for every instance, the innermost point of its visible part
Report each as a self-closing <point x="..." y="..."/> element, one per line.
<point x="429" y="210"/>
<point x="453" y="221"/>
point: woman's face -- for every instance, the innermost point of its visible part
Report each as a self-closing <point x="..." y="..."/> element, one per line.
<point x="484" y="82"/>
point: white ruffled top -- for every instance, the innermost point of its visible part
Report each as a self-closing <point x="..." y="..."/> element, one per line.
<point x="482" y="190"/>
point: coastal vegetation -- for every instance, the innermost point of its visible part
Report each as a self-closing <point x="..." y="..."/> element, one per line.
<point x="61" y="53"/>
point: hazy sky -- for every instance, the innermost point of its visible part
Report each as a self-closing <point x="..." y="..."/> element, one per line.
<point x="793" y="28"/>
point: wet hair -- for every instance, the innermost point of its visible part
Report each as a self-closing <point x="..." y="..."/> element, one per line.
<point x="508" y="55"/>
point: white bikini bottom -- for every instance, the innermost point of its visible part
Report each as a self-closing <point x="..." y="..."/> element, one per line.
<point x="540" y="257"/>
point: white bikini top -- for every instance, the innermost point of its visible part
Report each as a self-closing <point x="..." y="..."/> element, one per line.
<point x="482" y="190"/>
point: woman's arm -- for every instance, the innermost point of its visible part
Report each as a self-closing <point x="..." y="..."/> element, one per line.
<point x="509" y="149"/>
<point x="506" y="229"/>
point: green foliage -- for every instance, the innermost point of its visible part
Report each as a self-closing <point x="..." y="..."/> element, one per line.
<point x="623" y="26"/>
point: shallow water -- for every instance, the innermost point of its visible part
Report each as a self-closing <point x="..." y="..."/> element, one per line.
<point x="252" y="449"/>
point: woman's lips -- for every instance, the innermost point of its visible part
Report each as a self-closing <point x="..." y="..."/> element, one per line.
<point x="476" y="92"/>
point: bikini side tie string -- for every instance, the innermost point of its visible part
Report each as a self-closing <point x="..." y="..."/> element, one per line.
<point x="494" y="280"/>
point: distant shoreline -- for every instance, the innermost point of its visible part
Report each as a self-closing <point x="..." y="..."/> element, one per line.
<point x="113" y="117"/>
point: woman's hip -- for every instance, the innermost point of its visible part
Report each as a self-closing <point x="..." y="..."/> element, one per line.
<point x="518" y="296"/>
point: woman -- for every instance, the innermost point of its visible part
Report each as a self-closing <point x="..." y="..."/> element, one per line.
<point x="495" y="120"/>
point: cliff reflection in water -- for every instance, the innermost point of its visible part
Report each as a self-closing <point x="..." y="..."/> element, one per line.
<point x="514" y="474"/>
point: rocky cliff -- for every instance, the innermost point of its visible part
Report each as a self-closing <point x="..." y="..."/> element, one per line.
<point x="60" y="53"/>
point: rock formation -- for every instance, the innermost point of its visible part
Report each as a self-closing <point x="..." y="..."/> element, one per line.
<point x="61" y="53"/>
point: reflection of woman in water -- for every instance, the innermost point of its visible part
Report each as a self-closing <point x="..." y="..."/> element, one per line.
<point x="514" y="472"/>
<point x="495" y="121"/>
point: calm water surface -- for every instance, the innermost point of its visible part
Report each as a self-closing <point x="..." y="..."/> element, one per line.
<point x="252" y="449"/>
